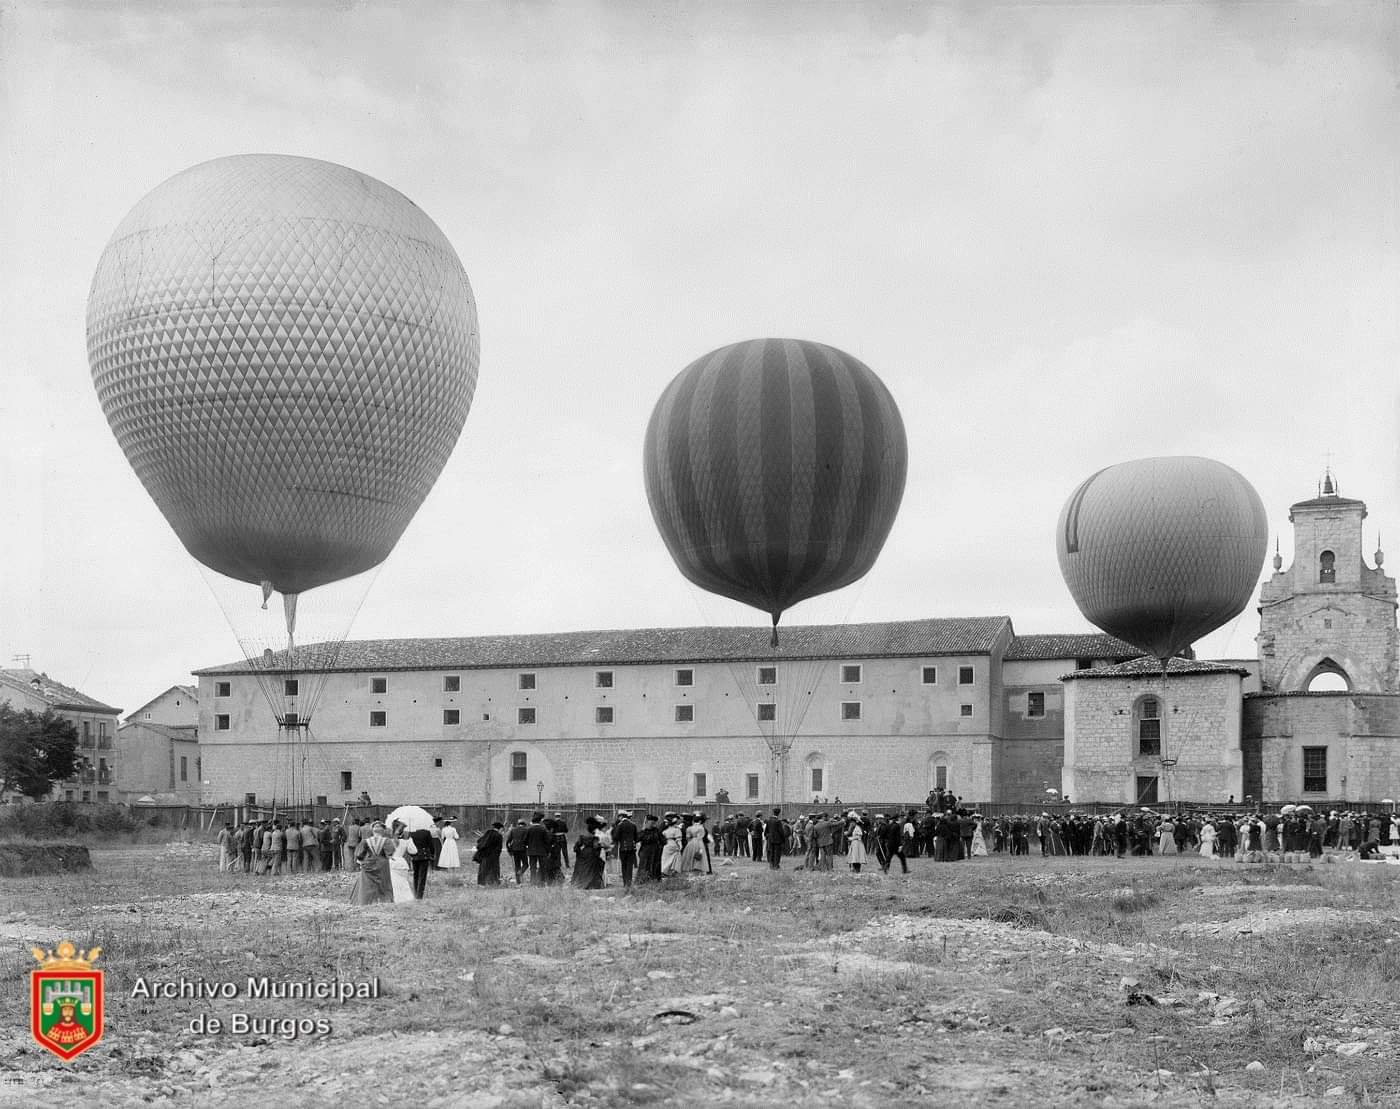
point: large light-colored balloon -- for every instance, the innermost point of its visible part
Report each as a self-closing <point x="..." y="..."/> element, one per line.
<point x="1161" y="551"/>
<point x="774" y="469"/>
<point x="286" y="350"/>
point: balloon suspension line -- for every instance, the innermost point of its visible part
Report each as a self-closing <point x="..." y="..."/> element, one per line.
<point x="1167" y="763"/>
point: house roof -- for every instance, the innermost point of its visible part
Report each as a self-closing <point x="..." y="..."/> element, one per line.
<point x="187" y="733"/>
<point x="1148" y="667"/>
<point x="55" y="694"/>
<point x="190" y="691"/>
<point x="1091" y="645"/>
<point x="976" y="635"/>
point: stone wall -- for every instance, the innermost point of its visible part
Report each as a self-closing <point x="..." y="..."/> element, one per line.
<point x="1361" y="734"/>
<point x="1200" y="728"/>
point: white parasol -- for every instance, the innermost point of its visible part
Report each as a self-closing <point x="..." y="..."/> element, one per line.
<point x="412" y="817"/>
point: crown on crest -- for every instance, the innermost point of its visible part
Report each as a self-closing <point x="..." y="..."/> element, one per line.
<point x="65" y="957"/>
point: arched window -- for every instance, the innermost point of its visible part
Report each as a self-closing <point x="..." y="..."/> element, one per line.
<point x="1327" y="567"/>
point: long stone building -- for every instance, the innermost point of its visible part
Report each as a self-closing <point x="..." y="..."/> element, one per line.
<point x="671" y="714"/>
<point x="865" y="711"/>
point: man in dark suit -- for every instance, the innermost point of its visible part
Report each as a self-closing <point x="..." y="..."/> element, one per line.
<point x="624" y="836"/>
<point x="422" y="861"/>
<point x="774" y="838"/>
<point x="539" y="840"/>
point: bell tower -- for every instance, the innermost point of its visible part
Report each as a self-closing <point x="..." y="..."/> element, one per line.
<point x="1328" y="613"/>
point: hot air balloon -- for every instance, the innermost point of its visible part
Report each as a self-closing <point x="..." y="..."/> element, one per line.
<point x="286" y="351"/>
<point x="774" y="469"/>
<point x="1161" y="551"/>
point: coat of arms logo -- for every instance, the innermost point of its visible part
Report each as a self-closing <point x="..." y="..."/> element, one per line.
<point x="65" y="1000"/>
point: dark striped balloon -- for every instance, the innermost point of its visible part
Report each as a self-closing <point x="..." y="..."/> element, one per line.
<point x="774" y="469"/>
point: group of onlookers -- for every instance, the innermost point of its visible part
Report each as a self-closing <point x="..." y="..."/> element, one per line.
<point x="285" y="845"/>
<point x="281" y="845"/>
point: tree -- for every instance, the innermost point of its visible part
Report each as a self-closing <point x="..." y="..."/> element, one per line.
<point x="36" y="750"/>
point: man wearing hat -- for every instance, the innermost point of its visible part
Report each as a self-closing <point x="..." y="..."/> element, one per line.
<point x="775" y="835"/>
<point x="624" y="837"/>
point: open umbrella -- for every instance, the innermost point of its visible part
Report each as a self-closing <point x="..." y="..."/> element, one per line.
<point x="412" y="817"/>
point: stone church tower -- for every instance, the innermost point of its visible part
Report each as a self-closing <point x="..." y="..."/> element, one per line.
<point x="1328" y="613"/>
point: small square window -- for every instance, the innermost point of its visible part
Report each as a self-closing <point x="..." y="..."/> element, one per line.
<point x="437" y="764"/>
<point x="965" y="675"/>
<point x="221" y="722"/>
<point x="699" y="786"/>
<point x="964" y="710"/>
<point x="602" y="679"/>
<point x="685" y="714"/>
<point x="379" y="685"/>
<point x="685" y="677"/>
<point x="250" y="798"/>
<point x="930" y="675"/>
<point x="526" y="680"/>
<point x="378" y="719"/>
<point x="850" y="710"/>
<point x="767" y="710"/>
<point x="850" y="673"/>
<point x="223" y="689"/>
<point x="603" y="714"/>
<point x="751" y="786"/>
<point x="1035" y="704"/>
<point x="451" y="716"/>
<point x="290" y="687"/>
<point x="452" y="683"/>
<point x="346" y="782"/>
<point x="525" y="714"/>
<point x="519" y="767"/>
<point x="767" y="675"/>
<point x="320" y="798"/>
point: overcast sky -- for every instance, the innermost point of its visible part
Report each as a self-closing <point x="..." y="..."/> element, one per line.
<point x="1063" y="235"/>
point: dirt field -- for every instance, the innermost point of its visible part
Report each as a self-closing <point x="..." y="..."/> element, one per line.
<point x="1003" y="982"/>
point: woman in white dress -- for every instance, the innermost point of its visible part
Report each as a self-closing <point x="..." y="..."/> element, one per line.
<point x="855" y="845"/>
<point x="671" y="846"/>
<point x="979" y="842"/>
<point x="399" y="875"/>
<point x="1207" y="840"/>
<point x="449" y="858"/>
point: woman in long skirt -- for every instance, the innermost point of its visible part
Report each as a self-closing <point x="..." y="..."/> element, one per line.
<point x="373" y="882"/>
<point x="979" y="842"/>
<point x="855" y="846"/>
<point x="400" y="877"/>
<point x="695" y="855"/>
<point x="1208" y="834"/>
<point x="588" y="858"/>
<point x="671" y="846"/>
<point x="1166" y="838"/>
<point x="449" y="858"/>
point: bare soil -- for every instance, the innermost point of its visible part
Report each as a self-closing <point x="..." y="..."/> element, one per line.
<point x="1003" y="982"/>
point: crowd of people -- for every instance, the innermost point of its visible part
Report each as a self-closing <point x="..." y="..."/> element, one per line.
<point x="391" y="863"/>
<point x="285" y="845"/>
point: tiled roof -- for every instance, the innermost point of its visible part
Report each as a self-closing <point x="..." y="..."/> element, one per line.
<point x="182" y="732"/>
<point x="55" y="694"/>
<point x="1149" y="667"/>
<point x="1091" y="645"/>
<point x="901" y="639"/>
